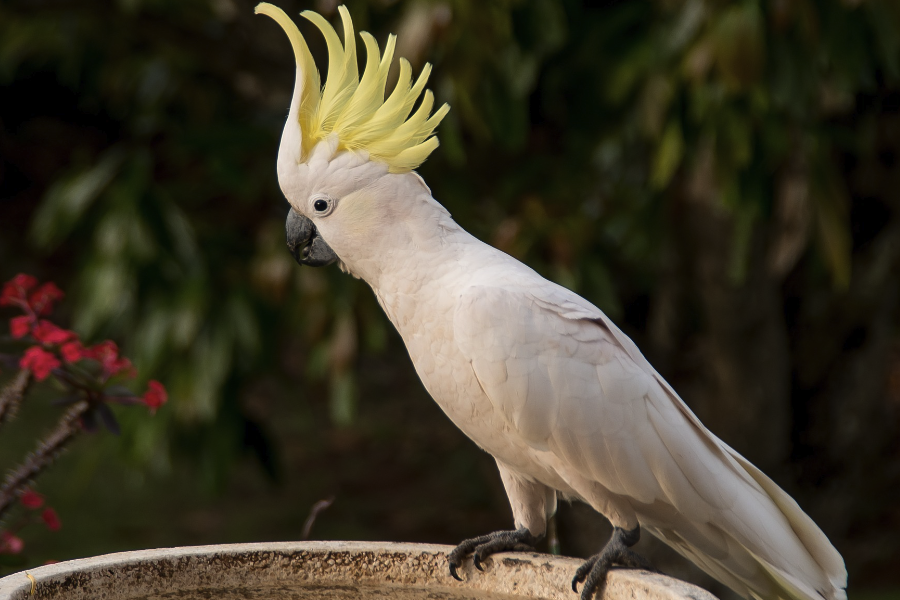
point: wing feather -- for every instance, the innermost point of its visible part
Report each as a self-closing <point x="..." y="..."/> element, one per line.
<point x="568" y="381"/>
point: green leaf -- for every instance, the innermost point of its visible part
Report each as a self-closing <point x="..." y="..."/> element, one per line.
<point x="834" y="238"/>
<point x="740" y="47"/>
<point x="669" y="153"/>
<point x="107" y="289"/>
<point x="68" y="199"/>
<point x="342" y="399"/>
<point x="832" y="223"/>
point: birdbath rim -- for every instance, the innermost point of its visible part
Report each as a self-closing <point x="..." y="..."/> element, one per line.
<point x="333" y="569"/>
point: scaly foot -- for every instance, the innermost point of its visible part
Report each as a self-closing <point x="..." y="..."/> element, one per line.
<point x="616" y="552"/>
<point x="520" y="540"/>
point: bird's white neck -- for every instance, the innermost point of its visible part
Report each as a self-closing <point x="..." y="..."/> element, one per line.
<point x="405" y="268"/>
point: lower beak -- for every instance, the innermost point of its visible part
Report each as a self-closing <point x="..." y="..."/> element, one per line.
<point x="304" y="242"/>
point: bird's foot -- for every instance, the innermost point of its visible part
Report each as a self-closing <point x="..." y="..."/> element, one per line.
<point x="616" y="552"/>
<point x="520" y="540"/>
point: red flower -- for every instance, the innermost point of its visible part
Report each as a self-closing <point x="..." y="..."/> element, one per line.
<point x="104" y="351"/>
<point x="48" y="333"/>
<point x="16" y="289"/>
<point x="42" y="299"/>
<point x="107" y="354"/>
<point x="20" y="326"/>
<point x="39" y="361"/>
<point x="51" y="519"/>
<point x="31" y="499"/>
<point x="73" y="351"/>
<point x="10" y="544"/>
<point x="155" y="396"/>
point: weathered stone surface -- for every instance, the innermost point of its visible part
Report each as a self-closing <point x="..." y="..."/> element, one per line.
<point x="326" y="570"/>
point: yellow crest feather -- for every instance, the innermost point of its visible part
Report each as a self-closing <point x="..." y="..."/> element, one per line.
<point x="355" y="109"/>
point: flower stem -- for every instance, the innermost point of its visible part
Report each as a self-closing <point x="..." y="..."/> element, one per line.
<point x="46" y="452"/>
<point x="11" y="395"/>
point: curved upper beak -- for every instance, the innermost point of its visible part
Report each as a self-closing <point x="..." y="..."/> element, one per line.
<point x="304" y="242"/>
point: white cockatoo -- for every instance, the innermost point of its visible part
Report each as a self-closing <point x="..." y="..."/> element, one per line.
<point x="537" y="376"/>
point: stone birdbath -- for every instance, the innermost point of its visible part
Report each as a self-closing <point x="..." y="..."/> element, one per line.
<point x="323" y="570"/>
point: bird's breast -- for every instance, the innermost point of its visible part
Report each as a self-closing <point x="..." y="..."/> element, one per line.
<point x="425" y="321"/>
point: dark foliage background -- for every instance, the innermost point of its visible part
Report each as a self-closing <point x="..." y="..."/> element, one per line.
<point x="720" y="177"/>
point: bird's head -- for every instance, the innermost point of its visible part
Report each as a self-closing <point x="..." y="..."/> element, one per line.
<point x="347" y="153"/>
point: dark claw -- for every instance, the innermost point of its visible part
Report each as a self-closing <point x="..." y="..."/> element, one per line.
<point x="477" y="561"/>
<point x="483" y="546"/>
<point x="582" y="572"/>
<point x="616" y="552"/>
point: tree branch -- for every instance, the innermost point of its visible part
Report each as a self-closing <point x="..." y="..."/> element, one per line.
<point x="11" y="396"/>
<point x="44" y="455"/>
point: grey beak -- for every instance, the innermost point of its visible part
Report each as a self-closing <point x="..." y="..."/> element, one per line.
<point x="304" y="242"/>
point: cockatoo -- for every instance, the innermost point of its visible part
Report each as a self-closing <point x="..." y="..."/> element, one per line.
<point x="536" y="375"/>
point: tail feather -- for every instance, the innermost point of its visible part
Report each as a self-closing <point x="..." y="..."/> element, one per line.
<point x="747" y="567"/>
<point x="796" y="589"/>
<point x="815" y="542"/>
<point x="746" y="573"/>
<point x="718" y="569"/>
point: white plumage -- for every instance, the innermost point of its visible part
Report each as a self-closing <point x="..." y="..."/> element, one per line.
<point x="546" y="383"/>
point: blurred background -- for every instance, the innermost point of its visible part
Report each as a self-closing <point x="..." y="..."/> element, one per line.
<point x="721" y="178"/>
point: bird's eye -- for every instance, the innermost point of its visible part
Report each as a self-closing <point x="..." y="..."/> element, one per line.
<point x="323" y="206"/>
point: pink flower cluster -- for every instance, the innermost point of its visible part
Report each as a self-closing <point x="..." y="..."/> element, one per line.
<point x="85" y="372"/>
<point x="10" y="543"/>
<point x="55" y="345"/>
<point x="31" y="500"/>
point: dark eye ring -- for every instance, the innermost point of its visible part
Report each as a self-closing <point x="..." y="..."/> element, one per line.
<point x="320" y="205"/>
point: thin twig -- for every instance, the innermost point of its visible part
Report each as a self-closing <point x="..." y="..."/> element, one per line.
<point x="313" y="513"/>
<point x="46" y="452"/>
<point x="11" y="395"/>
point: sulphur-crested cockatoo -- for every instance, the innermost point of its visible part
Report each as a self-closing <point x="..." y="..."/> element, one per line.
<point x="537" y="376"/>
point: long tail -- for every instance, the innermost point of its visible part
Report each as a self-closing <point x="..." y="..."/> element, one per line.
<point x="812" y="538"/>
<point x="754" y="572"/>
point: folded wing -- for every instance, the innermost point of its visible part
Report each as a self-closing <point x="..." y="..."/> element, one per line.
<point x="570" y="383"/>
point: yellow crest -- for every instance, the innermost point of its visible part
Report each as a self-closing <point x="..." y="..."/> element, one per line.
<point x="355" y="109"/>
